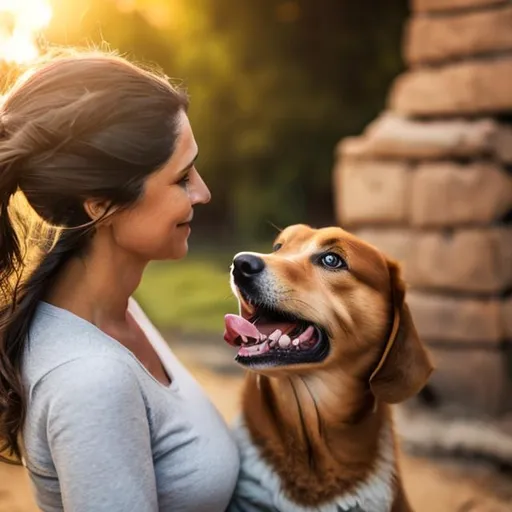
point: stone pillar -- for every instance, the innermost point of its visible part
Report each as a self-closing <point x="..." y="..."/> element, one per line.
<point x="430" y="183"/>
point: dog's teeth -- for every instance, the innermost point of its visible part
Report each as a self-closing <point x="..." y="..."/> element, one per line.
<point x="273" y="343"/>
<point x="296" y="342"/>
<point x="263" y="337"/>
<point x="285" y="341"/>
<point x="275" y="335"/>
<point x="244" y="339"/>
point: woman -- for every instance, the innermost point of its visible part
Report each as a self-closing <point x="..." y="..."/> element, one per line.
<point x="104" y="154"/>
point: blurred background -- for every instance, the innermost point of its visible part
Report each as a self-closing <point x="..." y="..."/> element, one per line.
<point x="391" y="119"/>
<point x="273" y="85"/>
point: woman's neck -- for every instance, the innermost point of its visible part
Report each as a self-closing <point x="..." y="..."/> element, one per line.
<point x="98" y="284"/>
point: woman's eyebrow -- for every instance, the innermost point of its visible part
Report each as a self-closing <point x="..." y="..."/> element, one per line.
<point x="187" y="168"/>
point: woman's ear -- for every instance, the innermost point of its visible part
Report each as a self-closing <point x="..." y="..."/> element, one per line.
<point x="97" y="209"/>
<point x="405" y="365"/>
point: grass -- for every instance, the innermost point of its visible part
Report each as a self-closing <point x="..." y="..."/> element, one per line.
<point x="189" y="296"/>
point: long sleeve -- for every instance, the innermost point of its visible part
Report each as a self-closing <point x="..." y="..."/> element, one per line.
<point x="99" y="437"/>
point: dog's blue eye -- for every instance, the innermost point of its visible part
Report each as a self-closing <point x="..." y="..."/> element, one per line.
<point x="333" y="261"/>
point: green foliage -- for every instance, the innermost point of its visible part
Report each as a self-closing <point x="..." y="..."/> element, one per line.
<point x="187" y="296"/>
<point x="274" y="85"/>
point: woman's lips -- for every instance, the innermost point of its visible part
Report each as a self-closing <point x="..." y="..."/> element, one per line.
<point x="187" y="222"/>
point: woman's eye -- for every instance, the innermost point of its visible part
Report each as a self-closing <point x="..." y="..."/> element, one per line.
<point x="184" y="181"/>
<point x="331" y="260"/>
<point x="277" y="247"/>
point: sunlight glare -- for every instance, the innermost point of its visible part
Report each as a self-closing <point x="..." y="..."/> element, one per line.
<point x="21" y="21"/>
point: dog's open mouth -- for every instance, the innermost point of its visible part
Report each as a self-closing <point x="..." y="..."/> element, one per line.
<point x="273" y="338"/>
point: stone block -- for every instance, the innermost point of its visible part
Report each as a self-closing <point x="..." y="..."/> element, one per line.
<point x="433" y="39"/>
<point x="478" y="380"/>
<point x="392" y="136"/>
<point x="472" y="260"/>
<point x="472" y="88"/>
<point x="457" y="319"/>
<point x="371" y="192"/>
<point x="475" y="261"/>
<point x="506" y="311"/>
<point x="503" y="144"/>
<point x="452" y="5"/>
<point x="450" y="194"/>
<point x="398" y="244"/>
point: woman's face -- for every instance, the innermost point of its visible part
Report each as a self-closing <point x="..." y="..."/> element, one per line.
<point x="157" y="227"/>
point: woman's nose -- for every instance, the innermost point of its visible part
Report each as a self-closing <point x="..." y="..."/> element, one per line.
<point x="200" y="193"/>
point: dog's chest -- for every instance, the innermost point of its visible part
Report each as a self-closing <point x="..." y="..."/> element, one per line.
<point x="259" y="488"/>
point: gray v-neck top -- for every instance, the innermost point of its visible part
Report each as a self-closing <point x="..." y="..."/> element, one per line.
<point x="103" y="435"/>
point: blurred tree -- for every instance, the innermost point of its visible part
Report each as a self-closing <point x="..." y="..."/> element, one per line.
<point x="274" y="85"/>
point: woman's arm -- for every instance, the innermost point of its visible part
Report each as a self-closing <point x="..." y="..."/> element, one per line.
<point x="98" y="434"/>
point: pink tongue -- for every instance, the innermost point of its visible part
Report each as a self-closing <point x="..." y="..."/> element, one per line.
<point x="237" y="326"/>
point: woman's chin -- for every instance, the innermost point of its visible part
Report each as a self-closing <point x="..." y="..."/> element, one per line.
<point x="182" y="252"/>
<point x="176" y="248"/>
<point x="177" y="252"/>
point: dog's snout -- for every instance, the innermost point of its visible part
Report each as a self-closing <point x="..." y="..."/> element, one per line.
<point x="248" y="265"/>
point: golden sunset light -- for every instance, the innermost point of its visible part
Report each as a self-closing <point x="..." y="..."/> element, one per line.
<point x="20" y="24"/>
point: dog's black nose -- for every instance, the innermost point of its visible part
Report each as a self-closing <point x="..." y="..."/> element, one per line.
<point x="248" y="264"/>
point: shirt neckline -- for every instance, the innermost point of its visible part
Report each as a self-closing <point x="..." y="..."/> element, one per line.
<point x="62" y="312"/>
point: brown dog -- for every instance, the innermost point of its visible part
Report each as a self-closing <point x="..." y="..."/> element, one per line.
<point x="329" y="342"/>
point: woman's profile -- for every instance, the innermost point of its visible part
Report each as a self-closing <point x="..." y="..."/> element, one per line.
<point x="101" y="411"/>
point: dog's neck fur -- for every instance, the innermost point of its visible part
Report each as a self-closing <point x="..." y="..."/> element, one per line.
<point x="323" y="435"/>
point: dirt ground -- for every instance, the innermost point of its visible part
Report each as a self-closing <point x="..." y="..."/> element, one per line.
<point x="431" y="486"/>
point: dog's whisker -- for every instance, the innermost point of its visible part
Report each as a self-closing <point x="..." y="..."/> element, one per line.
<point x="308" y="310"/>
<point x="303" y="303"/>
<point x="278" y="229"/>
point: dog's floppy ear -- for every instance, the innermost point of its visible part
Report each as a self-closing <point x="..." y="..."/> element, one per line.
<point x="405" y="365"/>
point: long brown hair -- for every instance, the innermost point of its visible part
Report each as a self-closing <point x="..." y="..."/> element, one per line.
<point x="76" y="127"/>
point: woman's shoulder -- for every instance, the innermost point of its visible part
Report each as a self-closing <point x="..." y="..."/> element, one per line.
<point x="60" y="340"/>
